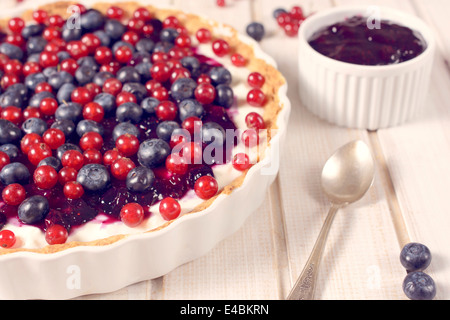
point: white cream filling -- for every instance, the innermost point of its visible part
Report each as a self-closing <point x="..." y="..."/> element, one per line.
<point x="99" y="228"/>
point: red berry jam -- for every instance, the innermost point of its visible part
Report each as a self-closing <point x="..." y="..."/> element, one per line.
<point x="354" y="42"/>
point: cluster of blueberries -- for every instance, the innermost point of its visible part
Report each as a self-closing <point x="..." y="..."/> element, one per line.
<point x="128" y="116"/>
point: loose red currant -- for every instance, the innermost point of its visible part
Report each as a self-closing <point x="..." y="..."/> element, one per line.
<point x="254" y="120"/>
<point x="56" y="234"/>
<point x="15" y="39"/>
<point x="91" y="140"/>
<point x="169" y="208"/>
<point x="48" y="106"/>
<point x="77" y="49"/>
<point x="73" y="159"/>
<point x="103" y="55"/>
<point x="56" y="21"/>
<point x="31" y="67"/>
<point x="93" y="111"/>
<point x="161" y="93"/>
<point x="110" y="156"/>
<point x="142" y="13"/>
<point x="16" y="25"/>
<point x="51" y="33"/>
<point x="124" y="97"/>
<point x="123" y="54"/>
<point x="112" y="86"/>
<point x="91" y="41"/>
<point x="203" y="35"/>
<point x="81" y="95"/>
<point x="179" y="73"/>
<point x="4" y="159"/>
<point x="45" y="177"/>
<point x="54" y="138"/>
<point x="206" y="187"/>
<point x="241" y="161"/>
<point x="250" y="138"/>
<point x="256" y="80"/>
<point x="9" y="79"/>
<point x="7" y="238"/>
<point x="256" y="98"/>
<point x="121" y="167"/>
<point x="114" y="12"/>
<point x="92" y="156"/>
<point x="151" y="85"/>
<point x="135" y="24"/>
<point x="93" y="88"/>
<point x="192" y="152"/>
<point x="43" y="86"/>
<point x="171" y="22"/>
<point x="31" y="112"/>
<point x="191" y="124"/>
<point x="132" y="214"/>
<point x="166" y="110"/>
<point x="203" y="78"/>
<point x="205" y="93"/>
<point x="238" y="60"/>
<point x="131" y="37"/>
<point x="38" y="152"/>
<point x="220" y="47"/>
<point x="176" y="164"/>
<point x="67" y="174"/>
<point x="73" y="190"/>
<point x="13" y="114"/>
<point x="160" y="71"/>
<point x="40" y="16"/>
<point x="127" y="144"/>
<point x="14" y="194"/>
<point x="28" y="140"/>
<point x="147" y="30"/>
<point x="13" y="66"/>
<point x="69" y="65"/>
<point x="183" y="41"/>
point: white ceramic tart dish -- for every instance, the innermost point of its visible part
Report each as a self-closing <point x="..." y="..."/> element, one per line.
<point x="363" y="96"/>
<point x="99" y="258"/>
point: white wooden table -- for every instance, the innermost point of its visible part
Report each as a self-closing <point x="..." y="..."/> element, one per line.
<point x="408" y="201"/>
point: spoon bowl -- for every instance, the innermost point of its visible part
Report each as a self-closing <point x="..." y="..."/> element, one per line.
<point x="346" y="177"/>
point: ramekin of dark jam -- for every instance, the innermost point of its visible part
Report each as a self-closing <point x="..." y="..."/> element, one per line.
<point x="365" y="67"/>
<point x="359" y="40"/>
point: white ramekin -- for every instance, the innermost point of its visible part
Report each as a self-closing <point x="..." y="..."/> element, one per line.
<point x="363" y="97"/>
<point x="97" y="269"/>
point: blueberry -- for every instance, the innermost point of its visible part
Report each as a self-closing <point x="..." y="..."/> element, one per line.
<point x="57" y="79"/>
<point x="11" y="98"/>
<point x="137" y="89"/>
<point x="11" y="50"/>
<point x="213" y="133"/>
<point x="35" y="57"/>
<point x="124" y="128"/>
<point x="129" y="111"/>
<point x="53" y="162"/>
<point x="100" y="77"/>
<point x="36" y="99"/>
<point x="66" y="126"/>
<point x="15" y="172"/>
<point x="164" y="129"/>
<point x="278" y="11"/>
<point x="121" y="43"/>
<point x="190" y="108"/>
<point x="84" y="75"/>
<point x="69" y="111"/>
<point x="89" y="125"/>
<point x="32" y="30"/>
<point x="106" y="100"/>
<point x="49" y="71"/>
<point x="65" y="92"/>
<point x="9" y="132"/>
<point x="224" y="96"/>
<point x="153" y="152"/>
<point x="168" y="35"/>
<point x="33" y="209"/>
<point x="192" y="64"/>
<point x="93" y="177"/>
<point x="195" y="172"/>
<point x="88" y="61"/>
<point x="71" y="34"/>
<point x="114" y="29"/>
<point x="415" y="257"/>
<point x="36" y="44"/>
<point x="143" y="69"/>
<point x="145" y="45"/>
<point x="10" y="149"/>
<point x="163" y="46"/>
<point x="19" y="88"/>
<point x="66" y="147"/>
<point x="128" y="74"/>
<point x="256" y="31"/>
<point x="63" y="55"/>
<point x="149" y="104"/>
<point x="220" y="75"/>
<point x="32" y="80"/>
<point x="419" y="286"/>
<point x="140" y="179"/>
<point x="34" y="125"/>
<point x="92" y="20"/>
<point x="105" y="40"/>
<point x="183" y="88"/>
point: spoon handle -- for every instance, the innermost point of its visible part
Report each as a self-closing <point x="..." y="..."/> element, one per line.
<point x="306" y="283"/>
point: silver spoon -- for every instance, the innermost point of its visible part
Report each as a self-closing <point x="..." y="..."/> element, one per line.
<point x="346" y="177"/>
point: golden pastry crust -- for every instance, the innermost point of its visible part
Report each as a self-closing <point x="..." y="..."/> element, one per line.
<point x="192" y="22"/>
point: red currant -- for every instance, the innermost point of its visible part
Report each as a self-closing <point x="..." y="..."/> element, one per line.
<point x="43" y="86"/>
<point x="91" y="140"/>
<point x="114" y="12"/>
<point x="48" y="106"/>
<point x="67" y="174"/>
<point x="56" y="234"/>
<point x="203" y="35"/>
<point x="81" y="95"/>
<point x="127" y="144"/>
<point x="73" y="190"/>
<point x="73" y="159"/>
<point x="256" y="98"/>
<point x="14" y="194"/>
<point x="256" y="80"/>
<point x="121" y="167"/>
<point x="110" y="156"/>
<point x="142" y="13"/>
<point x="69" y="65"/>
<point x="38" y="152"/>
<point x="9" y="79"/>
<point x="169" y="208"/>
<point x="31" y="112"/>
<point x="206" y="187"/>
<point x="51" y="33"/>
<point x="124" y="97"/>
<point x="131" y="37"/>
<point x="4" y="159"/>
<point x="77" y="49"/>
<point x="56" y="21"/>
<point x="93" y="111"/>
<point x="254" y="120"/>
<point x="166" y="110"/>
<point x="103" y="55"/>
<point x="31" y="67"/>
<point x="92" y="156"/>
<point x="54" y="138"/>
<point x="205" y="93"/>
<point x="220" y="47"/>
<point x="7" y="238"/>
<point x="13" y="114"/>
<point x="91" y="41"/>
<point x="171" y="22"/>
<point x="192" y="152"/>
<point x="123" y="54"/>
<point x="238" y="60"/>
<point x="28" y="140"/>
<point x="191" y="124"/>
<point x="241" y="161"/>
<point x="250" y="138"/>
<point x="160" y="71"/>
<point x="132" y="214"/>
<point x="16" y="25"/>
<point x="45" y="177"/>
<point x="40" y="16"/>
<point x="176" y="164"/>
<point x="112" y="86"/>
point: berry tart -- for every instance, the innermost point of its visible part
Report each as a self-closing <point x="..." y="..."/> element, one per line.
<point x="118" y="122"/>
